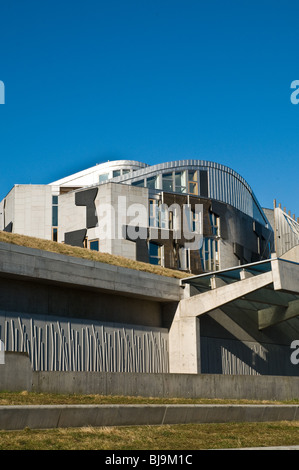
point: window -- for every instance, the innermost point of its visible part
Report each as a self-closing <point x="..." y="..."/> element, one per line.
<point x="154" y="252"/>
<point x="54" y="218"/>
<point x="152" y="183"/>
<point x="180" y="182"/>
<point x="192" y="182"/>
<point x="139" y="184"/>
<point x="93" y="245"/>
<point x="215" y="224"/>
<point x="153" y="213"/>
<point x="125" y="172"/>
<point x="167" y="182"/>
<point x="54" y="234"/>
<point x="103" y="177"/>
<point x="116" y="173"/>
<point x="209" y="254"/>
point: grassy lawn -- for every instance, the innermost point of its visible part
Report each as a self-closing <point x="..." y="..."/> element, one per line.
<point x="174" y="437"/>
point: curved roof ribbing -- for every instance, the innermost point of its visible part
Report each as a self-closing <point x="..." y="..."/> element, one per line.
<point x="225" y="184"/>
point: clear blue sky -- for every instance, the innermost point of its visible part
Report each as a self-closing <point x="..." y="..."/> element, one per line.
<point x="88" y="81"/>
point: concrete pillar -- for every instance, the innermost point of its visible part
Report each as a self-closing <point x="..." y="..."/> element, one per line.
<point x="184" y="344"/>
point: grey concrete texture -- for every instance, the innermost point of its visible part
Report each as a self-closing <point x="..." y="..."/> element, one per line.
<point x="17" y="375"/>
<point x="169" y="385"/>
<point x="16" y="372"/>
<point x="29" y="263"/>
<point x="68" y="416"/>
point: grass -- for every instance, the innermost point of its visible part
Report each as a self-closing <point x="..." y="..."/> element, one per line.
<point x="164" y="438"/>
<point x="175" y="437"/>
<point x="32" y="398"/>
<point x="63" y="249"/>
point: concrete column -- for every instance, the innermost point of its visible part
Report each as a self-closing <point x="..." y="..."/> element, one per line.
<point x="184" y="344"/>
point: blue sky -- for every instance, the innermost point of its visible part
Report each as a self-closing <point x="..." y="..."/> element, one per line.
<point x="90" y="81"/>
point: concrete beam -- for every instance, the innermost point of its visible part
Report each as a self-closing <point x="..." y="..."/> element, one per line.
<point x="285" y="275"/>
<point x="208" y="301"/>
<point x="65" y="416"/>
<point x="273" y="315"/>
<point x="32" y="264"/>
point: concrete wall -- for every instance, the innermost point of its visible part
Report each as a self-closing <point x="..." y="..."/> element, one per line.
<point x="17" y="375"/>
<point x="113" y="208"/>
<point x="73" y="314"/>
<point x="231" y="343"/>
<point x="29" y="209"/>
<point x="16" y="372"/>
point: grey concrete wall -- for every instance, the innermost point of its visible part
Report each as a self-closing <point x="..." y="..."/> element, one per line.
<point x="16" y="372"/>
<point x="231" y="343"/>
<point x="29" y="208"/>
<point x="169" y="385"/>
<point x="16" y="375"/>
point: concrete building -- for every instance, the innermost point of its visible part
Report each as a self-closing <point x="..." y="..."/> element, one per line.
<point x="192" y="215"/>
<point x="236" y="314"/>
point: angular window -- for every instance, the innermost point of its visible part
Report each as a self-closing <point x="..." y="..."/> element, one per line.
<point x="116" y="173"/>
<point x="125" y="172"/>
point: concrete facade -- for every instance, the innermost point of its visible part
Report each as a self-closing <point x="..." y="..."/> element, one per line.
<point x="27" y="210"/>
<point x="17" y="375"/>
<point x="83" y="210"/>
<point x="76" y="315"/>
<point x="231" y="316"/>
